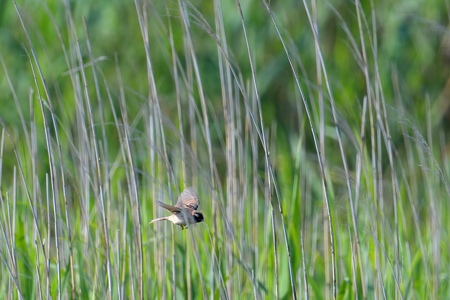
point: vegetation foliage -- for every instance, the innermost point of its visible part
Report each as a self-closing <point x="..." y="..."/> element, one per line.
<point x="316" y="134"/>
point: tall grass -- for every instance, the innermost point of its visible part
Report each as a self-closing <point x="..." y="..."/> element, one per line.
<point x="345" y="196"/>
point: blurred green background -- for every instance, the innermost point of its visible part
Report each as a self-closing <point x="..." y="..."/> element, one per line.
<point x="412" y="42"/>
<point x="408" y="46"/>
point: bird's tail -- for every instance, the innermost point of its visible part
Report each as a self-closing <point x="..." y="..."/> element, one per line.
<point x="158" y="219"/>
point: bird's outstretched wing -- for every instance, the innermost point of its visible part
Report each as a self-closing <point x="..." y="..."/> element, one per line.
<point x="188" y="199"/>
<point x="170" y="208"/>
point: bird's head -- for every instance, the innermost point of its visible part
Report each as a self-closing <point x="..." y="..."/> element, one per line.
<point x="198" y="216"/>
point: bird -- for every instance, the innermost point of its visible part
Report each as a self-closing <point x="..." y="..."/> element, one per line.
<point x="184" y="213"/>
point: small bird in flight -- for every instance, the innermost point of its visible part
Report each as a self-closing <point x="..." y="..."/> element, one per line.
<point x="185" y="212"/>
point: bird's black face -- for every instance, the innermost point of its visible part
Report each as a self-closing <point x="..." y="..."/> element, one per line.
<point x="198" y="217"/>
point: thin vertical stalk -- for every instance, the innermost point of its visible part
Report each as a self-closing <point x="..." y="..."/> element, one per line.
<point x="133" y="190"/>
<point x="99" y="177"/>
<point x="322" y="144"/>
<point x="50" y="154"/>
<point x="267" y="153"/>
<point x="316" y="145"/>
